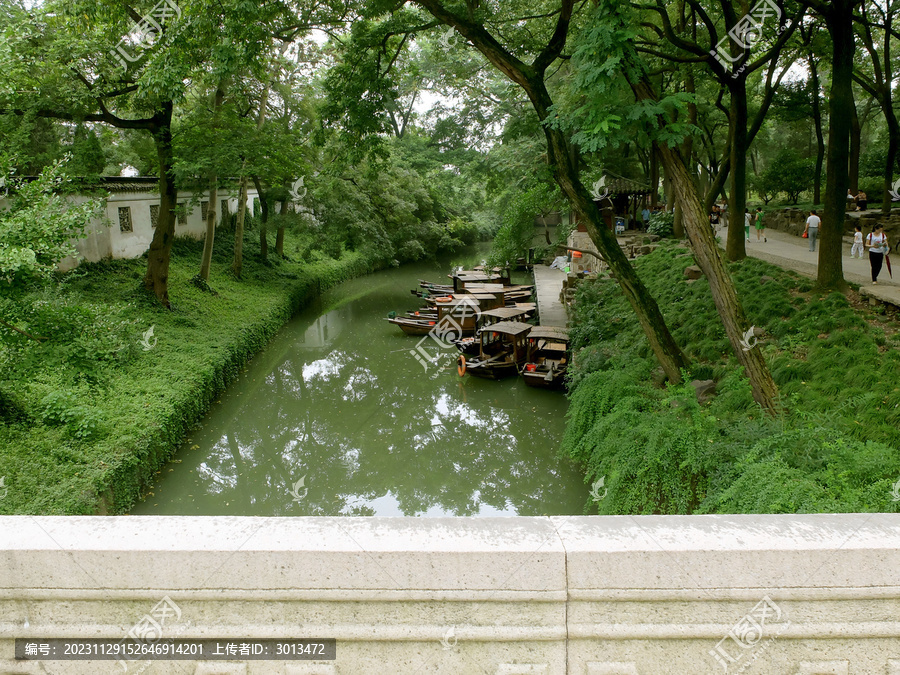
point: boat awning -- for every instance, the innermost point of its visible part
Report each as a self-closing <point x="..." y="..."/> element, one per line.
<point x="504" y="312"/>
<point x="476" y="277"/>
<point x="512" y="328"/>
<point x="550" y="333"/>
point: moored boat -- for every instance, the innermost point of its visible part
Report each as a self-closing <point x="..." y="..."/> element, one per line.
<point x="470" y="346"/>
<point x="501" y="352"/>
<point x="448" y="321"/>
<point x="548" y="357"/>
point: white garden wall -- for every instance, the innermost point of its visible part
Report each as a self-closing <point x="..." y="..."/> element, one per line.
<point x="811" y="594"/>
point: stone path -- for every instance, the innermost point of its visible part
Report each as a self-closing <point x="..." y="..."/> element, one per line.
<point x="793" y="253"/>
<point x="547" y="285"/>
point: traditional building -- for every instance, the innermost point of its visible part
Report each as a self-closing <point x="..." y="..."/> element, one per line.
<point x="125" y="225"/>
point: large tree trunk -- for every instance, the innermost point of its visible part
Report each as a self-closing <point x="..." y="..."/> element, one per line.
<point x="157" y="275"/>
<point x="735" y="248"/>
<point x="206" y="260"/>
<point x="237" y="265"/>
<point x="263" y="219"/>
<point x="855" y="145"/>
<point x="667" y="351"/>
<point x="817" y="123"/>
<point x="837" y="181"/>
<point x="892" y="152"/>
<point x="279" y="234"/>
<point x="721" y="285"/>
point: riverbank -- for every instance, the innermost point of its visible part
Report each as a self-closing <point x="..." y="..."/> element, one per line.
<point x="87" y="419"/>
<point x="834" y="359"/>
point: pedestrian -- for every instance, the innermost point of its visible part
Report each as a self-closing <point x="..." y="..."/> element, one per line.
<point x="862" y="202"/>
<point x="812" y="229"/>
<point x="857" y="244"/>
<point x="747" y="220"/>
<point x="760" y="227"/>
<point x="645" y="216"/>
<point x="714" y="218"/>
<point x="877" y="243"/>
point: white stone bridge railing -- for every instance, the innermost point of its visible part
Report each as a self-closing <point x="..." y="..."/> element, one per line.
<point x="791" y="595"/>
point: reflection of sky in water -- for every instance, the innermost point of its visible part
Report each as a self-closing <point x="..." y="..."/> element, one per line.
<point x="388" y="505"/>
<point x="339" y="400"/>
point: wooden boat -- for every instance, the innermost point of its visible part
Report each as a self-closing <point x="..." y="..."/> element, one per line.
<point x="501" y="351"/>
<point x="548" y="358"/>
<point x="470" y="346"/>
<point x="453" y="319"/>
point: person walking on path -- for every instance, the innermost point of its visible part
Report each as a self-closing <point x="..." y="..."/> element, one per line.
<point x="812" y="229"/>
<point x="862" y="202"/>
<point x="760" y="227"/>
<point x="747" y="220"/>
<point x="857" y="244"/>
<point x="645" y="216"/>
<point x="877" y="243"/>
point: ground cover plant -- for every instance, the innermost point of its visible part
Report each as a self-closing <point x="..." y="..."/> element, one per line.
<point x="90" y="411"/>
<point x="833" y="447"/>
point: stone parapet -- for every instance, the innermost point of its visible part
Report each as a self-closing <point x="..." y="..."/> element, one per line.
<point x="588" y="595"/>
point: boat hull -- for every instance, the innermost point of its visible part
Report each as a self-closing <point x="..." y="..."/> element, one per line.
<point x="493" y="371"/>
<point x="539" y="379"/>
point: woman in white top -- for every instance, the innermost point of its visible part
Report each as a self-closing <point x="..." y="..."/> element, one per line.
<point x="877" y="245"/>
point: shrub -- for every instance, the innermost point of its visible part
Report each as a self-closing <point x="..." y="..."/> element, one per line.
<point x="662" y="223"/>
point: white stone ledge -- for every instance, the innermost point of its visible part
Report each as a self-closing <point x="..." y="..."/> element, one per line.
<point x="585" y="595"/>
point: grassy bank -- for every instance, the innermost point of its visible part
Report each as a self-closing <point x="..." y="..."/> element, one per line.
<point x="834" y="447"/>
<point x="89" y="414"/>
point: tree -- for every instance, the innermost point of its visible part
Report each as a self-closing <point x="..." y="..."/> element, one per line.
<point x="788" y="173"/>
<point x="70" y="62"/>
<point x="731" y="65"/>
<point x="839" y="19"/>
<point x="610" y="33"/>
<point x="532" y="78"/>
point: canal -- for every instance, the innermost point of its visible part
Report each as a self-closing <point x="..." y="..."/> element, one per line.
<point x="337" y="417"/>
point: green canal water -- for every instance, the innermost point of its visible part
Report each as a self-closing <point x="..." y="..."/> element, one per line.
<point x="337" y="417"/>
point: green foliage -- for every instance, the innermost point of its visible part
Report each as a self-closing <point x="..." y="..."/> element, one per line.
<point x="662" y="223"/>
<point x="517" y="233"/>
<point x="788" y="173"/>
<point x="833" y="449"/>
<point x="37" y="228"/>
<point x="77" y="437"/>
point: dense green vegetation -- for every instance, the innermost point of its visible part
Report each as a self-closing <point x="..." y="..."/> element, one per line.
<point x="89" y="413"/>
<point x="833" y="447"/>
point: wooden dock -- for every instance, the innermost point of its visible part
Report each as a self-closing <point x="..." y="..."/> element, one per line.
<point x="547" y="285"/>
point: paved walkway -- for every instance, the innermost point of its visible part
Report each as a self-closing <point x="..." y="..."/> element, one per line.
<point x="793" y="253"/>
<point x="547" y="285"/>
